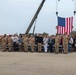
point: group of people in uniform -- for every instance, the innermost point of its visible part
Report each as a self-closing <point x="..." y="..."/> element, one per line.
<point x="17" y="43"/>
<point x="38" y="43"/>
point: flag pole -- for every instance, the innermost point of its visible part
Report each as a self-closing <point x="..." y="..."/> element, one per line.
<point x="34" y="27"/>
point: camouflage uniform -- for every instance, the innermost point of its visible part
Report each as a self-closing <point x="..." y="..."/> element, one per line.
<point x="25" y="43"/>
<point x="57" y="44"/>
<point x="32" y="43"/>
<point x="4" y="43"/>
<point x="65" y="43"/>
<point x="10" y="42"/>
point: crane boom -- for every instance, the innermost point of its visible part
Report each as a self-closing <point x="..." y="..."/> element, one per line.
<point x="35" y="16"/>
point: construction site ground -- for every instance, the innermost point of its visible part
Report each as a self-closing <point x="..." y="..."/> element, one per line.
<point x="27" y="63"/>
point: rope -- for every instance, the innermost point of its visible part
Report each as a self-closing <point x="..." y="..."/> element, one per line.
<point x="57" y="7"/>
<point x="74" y="7"/>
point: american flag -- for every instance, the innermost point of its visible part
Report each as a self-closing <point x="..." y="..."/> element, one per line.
<point x="65" y="25"/>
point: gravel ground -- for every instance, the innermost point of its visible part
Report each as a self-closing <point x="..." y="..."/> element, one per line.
<point x="20" y="63"/>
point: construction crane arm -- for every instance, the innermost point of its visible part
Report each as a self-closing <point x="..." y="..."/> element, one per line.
<point x="35" y="16"/>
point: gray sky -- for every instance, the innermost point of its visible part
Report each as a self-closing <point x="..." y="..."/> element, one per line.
<point x="15" y="15"/>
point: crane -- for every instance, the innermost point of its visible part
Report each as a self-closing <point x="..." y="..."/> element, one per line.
<point x="35" y="17"/>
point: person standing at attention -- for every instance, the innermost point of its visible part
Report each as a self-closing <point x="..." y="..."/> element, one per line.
<point x="57" y="42"/>
<point x="65" y="43"/>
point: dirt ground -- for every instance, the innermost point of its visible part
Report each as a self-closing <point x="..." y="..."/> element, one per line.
<point x="21" y="63"/>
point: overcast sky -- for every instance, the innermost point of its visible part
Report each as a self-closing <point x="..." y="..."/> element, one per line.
<point x="15" y="15"/>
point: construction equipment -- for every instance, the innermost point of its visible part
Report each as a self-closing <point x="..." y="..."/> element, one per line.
<point x="35" y="17"/>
